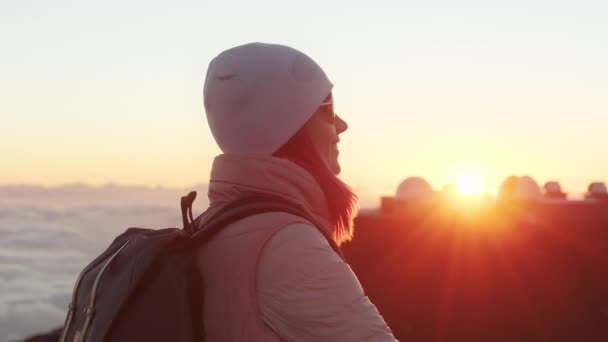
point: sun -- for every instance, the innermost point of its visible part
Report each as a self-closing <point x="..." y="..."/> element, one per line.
<point x="469" y="184"/>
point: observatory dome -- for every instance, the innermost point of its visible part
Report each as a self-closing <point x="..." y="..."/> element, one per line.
<point x="553" y="190"/>
<point x="413" y="188"/>
<point x="519" y="188"/>
<point x="597" y="190"/>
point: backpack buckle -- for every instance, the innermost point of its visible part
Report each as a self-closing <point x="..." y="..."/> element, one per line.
<point x="89" y="311"/>
<point x="186" y="204"/>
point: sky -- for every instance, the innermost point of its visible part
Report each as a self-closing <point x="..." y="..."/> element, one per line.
<point x="101" y="92"/>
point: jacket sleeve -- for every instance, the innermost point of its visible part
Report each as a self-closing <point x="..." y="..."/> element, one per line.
<point x="306" y="292"/>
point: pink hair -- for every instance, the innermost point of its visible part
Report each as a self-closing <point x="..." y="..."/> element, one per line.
<point x="341" y="199"/>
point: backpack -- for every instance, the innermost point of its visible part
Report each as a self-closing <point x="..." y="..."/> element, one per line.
<point x="145" y="285"/>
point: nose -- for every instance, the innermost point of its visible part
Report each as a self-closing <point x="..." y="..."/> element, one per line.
<point x="341" y="125"/>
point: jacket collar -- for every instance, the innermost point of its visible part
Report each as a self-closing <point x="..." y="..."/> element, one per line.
<point x="234" y="176"/>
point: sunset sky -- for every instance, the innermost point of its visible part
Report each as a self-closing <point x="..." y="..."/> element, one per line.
<point x="111" y="91"/>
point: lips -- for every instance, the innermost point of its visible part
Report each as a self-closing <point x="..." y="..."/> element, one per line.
<point x="335" y="145"/>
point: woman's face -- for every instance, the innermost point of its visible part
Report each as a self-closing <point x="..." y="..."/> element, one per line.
<point x="324" y="129"/>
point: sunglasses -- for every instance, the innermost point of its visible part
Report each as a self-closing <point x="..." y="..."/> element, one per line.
<point x="326" y="108"/>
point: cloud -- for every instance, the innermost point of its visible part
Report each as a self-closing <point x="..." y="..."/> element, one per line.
<point x="82" y="195"/>
<point x="17" y="322"/>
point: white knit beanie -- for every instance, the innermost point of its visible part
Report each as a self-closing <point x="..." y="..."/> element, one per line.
<point x="257" y="96"/>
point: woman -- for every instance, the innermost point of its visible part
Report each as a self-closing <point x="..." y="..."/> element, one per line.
<point x="274" y="276"/>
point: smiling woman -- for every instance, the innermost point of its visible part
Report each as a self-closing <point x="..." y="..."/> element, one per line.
<point x="270" y="109"/>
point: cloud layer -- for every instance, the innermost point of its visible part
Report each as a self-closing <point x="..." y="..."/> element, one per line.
<point x="78" y="195"/>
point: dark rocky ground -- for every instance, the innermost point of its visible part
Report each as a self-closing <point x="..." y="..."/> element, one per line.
<point x="504" y="271"/>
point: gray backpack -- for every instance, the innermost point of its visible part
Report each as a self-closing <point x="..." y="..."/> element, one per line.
<point x="145" y="287"/>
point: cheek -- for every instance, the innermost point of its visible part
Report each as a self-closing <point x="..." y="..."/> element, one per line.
<point x="320" y="139"/>
<point x="323" y="136"/>
<point x="329" y="138"/>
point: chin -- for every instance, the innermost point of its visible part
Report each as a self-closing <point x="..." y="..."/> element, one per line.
<point x="336" y="168"/>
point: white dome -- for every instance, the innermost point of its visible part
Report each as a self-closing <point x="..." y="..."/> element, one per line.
<point x="552" y="188"/>
<point x="414" y="188"/>
<point x="519" y="188"/>
<point x="527" y="188"/>
<point x="508" y="187"/>
<point x="597" y="188"/>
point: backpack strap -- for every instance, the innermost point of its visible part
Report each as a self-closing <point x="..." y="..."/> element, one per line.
<point x="210" y="223"/>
